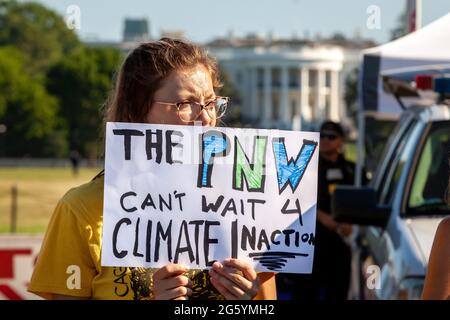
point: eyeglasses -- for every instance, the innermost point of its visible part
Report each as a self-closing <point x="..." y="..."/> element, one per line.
<point x="329" y="136"/>
<point x="189" y="111"/>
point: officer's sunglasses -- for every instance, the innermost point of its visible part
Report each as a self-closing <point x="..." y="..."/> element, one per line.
<point x="329" y="136"/>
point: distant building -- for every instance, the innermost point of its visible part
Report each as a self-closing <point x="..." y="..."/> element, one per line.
<point x="283" y="83"/>
<point x="136" y="30"/>
<point x="289" y="83"/>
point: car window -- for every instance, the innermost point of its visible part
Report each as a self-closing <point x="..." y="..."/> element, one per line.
<point x="429" y="185"/>
<point x="392" y="147"/>
<point x="404" y="152"/>
<point x="378" y="132"/>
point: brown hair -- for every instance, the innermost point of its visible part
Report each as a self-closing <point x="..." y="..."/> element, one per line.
<point x="143" y="72"/>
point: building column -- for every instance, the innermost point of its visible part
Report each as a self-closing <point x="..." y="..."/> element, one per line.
<point x="305" y="109"/>
<point x="320" y="97"/>
<point x="267" y="108"/>
<point x="284" y="98"/>
<point x="334" y="96"/>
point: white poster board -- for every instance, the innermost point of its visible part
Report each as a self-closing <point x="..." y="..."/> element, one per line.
<point x="193" y="195"/>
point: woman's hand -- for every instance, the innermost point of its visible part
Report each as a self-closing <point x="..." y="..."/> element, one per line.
<point x="235" y="279"/>
<point x="170" y="283"/>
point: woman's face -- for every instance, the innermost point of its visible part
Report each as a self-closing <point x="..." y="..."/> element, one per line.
<point x="193" y="85"/>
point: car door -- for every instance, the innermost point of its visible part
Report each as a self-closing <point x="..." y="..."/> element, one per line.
<point x="381" y="243"/>
<point x="424" y="205"/>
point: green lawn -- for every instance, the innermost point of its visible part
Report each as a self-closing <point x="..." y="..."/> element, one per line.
<point x="350" y="151"/>
<point x="39" y="189"/>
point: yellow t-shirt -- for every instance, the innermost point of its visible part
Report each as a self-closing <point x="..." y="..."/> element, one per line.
<point x="69" y="261"/>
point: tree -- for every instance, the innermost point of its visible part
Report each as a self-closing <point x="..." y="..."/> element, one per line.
<point x="233" y="116"/>
<point x="400" y="30"/>
<point x="81" y="81"/>
<point x="26" y="108"/>
<point x="39" y="33"/>
<point x="351" y="93"/>
<point x="338" y="37"/>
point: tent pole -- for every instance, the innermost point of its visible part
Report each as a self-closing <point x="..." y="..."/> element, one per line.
<point x="361" y="128"/>
<point x="418" y="14"/>
<point x="360" y="148"/>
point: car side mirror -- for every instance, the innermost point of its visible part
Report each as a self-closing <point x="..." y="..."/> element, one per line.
<point x="358" y="205"/>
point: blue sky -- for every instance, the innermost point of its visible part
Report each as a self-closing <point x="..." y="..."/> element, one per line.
<point x="202" y="20"/>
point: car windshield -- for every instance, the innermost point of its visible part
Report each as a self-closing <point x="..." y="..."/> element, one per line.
<point x="377" y="134"/>
<point x="428" y="195"/>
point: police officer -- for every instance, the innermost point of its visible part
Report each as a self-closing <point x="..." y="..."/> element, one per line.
<point x="332" y="257"/>
<point x="330" y="278"/>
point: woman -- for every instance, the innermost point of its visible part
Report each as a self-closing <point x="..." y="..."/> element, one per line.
<point x="437" y="281"/>
<point x="162" y="82"/>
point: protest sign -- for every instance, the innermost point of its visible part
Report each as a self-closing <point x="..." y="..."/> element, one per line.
<point x="193" y="195"/>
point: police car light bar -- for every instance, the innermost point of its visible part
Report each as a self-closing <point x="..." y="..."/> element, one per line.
<point x="442" y="86"/>
<point x="424" y="82"/>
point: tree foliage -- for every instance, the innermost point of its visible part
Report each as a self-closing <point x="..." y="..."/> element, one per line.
<point x="87" y="74"/>
<point x="51" y="86"/>
<point x="39" y="33"/>
<point x="351" y="92"/>
<point x="233" y="116"/>
<point x="26" y="108"/>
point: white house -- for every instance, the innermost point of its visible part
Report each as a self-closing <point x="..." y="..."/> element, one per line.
<point x="289" y="84"/>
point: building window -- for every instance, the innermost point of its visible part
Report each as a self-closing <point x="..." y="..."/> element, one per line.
<point x="276" y="78"/>
<point x="327" y="105"/>
<point x="260" y="107"/>
<point x="260" y="78"/>
<point x="294" y="78"/>
<point x="275" y="108"/>
<point x="312" y="103"/>
<point x="328" y="79"/>
<point x="293" y="108"/>
<point x="239" y="78"/>
<point x="312" y="78"/>
<point x="311" y="98"/>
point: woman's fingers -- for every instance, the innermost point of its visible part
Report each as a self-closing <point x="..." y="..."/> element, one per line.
<point x="222" y="289"/>
<point x="232" y="274"/>
<point x="176" y="281"/>
<point x="231" y="286"/>
<point x="179" y="293"/>
<point x="234" y="279"/>
<point x="246" y="268"/>
<point x="169" y="270"/>
<point x="169" y="283"/>
<point x="238" y="278"/>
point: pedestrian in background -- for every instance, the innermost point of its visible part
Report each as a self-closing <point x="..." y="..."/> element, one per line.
<point x="75" y="161"/>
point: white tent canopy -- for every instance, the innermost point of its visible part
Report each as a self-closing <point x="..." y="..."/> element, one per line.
<point x="427" y="46"/>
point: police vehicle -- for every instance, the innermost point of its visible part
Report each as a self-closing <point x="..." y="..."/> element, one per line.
<point x="400" y="209"/>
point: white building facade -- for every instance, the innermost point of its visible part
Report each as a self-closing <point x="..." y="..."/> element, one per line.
<point x="289" y="86"/>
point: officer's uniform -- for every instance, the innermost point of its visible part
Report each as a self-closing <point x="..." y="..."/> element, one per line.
<point x="330" y="278"/>
<point x="332" y="256"/>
